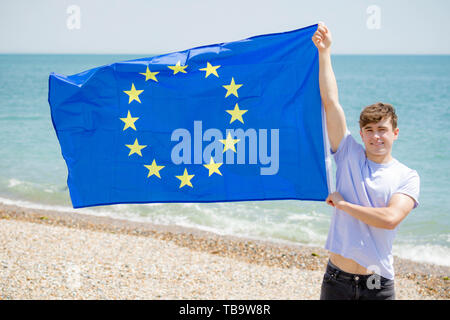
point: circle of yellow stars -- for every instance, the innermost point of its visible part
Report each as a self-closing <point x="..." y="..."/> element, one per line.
<point x="229" y="143"/>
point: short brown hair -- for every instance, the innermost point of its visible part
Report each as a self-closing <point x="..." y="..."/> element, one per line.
<point x="377" y="112"/>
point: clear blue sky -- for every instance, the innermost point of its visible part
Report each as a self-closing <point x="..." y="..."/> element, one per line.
<point x="161" y="26"/>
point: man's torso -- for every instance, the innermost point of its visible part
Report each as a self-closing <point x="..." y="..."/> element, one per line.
<point x="347" y="265"/>
<point x="352" y="243"/>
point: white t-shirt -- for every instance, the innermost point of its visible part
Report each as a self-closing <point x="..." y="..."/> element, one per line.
<point x="364" y="182"/>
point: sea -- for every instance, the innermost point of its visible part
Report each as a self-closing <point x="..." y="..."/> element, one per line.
<point x="33" y="173"/>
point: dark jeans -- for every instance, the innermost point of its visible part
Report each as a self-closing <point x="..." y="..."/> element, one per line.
<point x="340" y="285"/>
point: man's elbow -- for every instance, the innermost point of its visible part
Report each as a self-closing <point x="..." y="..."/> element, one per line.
<point x="390" y="224"/>
<point x="393" y="219"/>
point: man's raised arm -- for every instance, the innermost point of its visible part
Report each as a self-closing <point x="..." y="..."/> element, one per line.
<point x="335" y="116"/>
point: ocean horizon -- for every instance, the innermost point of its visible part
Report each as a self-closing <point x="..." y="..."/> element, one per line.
<point x="33" y="173"/>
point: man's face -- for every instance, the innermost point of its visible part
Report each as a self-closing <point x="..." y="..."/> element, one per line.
<point x="379" y="137"/>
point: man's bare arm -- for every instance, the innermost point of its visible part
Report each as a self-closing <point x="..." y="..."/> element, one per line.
<point x="400" y="205"/>
<point x="335" y="117"/>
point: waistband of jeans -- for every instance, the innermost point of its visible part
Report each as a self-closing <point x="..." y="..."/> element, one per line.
<point x="338" y="273"/>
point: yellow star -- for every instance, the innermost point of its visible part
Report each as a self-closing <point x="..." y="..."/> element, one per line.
<point x="236" y="114"/>
<point x="178" y="68"/>
<point x="153" y="169"/>
<point x="133" y="94"/>
<point x="210" y="70"/>
<point x="129" y="122"/>
<point x="232" y="88"/>
<point x="213" y="167"/>
<point x="229" y="143"/>
<point x="185" y="179"/>
<point x="135" y="148"/>
<point x="149" y="75"/>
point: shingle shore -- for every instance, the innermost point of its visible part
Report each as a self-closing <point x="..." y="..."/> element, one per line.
<point x="59" y="255"/>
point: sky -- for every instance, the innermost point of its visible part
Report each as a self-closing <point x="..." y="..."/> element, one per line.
<point x="162" y="26"/>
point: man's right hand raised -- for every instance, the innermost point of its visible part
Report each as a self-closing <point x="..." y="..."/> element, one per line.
<point x="336" y="124"/>
<point x="322" y="37"/>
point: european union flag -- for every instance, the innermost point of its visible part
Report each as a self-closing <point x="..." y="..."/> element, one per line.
<point x="226" y="122"/>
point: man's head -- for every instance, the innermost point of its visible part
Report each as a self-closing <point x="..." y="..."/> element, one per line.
<point x="378" y="124"/>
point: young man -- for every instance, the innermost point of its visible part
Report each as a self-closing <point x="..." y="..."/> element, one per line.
<point x="374" y="193"/>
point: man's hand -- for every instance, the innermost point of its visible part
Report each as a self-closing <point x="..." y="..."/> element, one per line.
<point x="335" y="200"/>
<point x="322" y="38"/>
<point x="381" y="217"/>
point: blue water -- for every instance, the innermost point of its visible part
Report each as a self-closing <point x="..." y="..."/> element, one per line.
<point x="33" y="173"/>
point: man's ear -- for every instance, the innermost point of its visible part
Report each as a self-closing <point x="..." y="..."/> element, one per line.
<point x="396" y="131"/>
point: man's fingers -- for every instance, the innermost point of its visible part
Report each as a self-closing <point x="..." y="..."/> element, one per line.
<point x="322" y="29"/>
<point x="316" y="41"/>
<point x="318" y="34"/>
<point x="329" y="201"/>
<point x="321" y="24"/>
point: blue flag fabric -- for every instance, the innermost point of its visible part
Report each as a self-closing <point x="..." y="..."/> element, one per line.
<point x="226" y="122"/>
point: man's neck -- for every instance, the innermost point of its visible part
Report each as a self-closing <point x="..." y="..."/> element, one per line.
<point x="379" y="159"/>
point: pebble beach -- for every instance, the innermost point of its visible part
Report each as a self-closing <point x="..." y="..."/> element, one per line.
<point x="60" y="255"/>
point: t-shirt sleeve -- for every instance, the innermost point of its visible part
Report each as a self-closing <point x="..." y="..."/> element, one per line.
<point x="347" y="147"/>
<point x="411" y="186"/>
